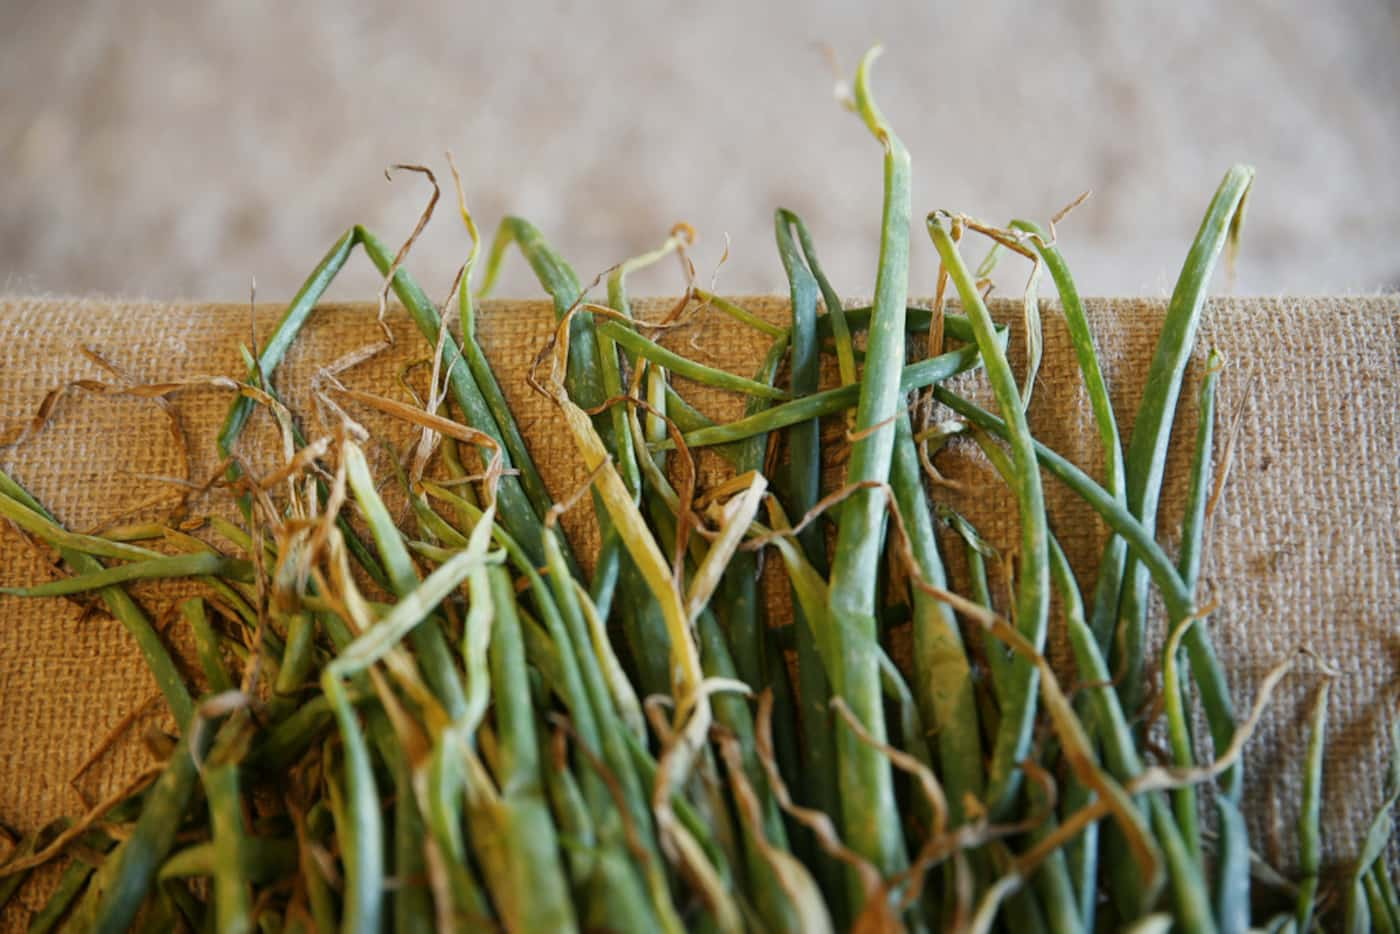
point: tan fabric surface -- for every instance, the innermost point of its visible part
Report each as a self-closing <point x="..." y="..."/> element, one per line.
<point x="1303" y="551"/>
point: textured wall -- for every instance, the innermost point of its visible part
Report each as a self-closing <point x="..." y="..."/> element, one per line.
<point x="174" y="149"/>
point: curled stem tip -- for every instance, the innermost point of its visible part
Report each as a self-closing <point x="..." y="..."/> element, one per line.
<point x="466" y="215"/>
<point x="863" y="104"/>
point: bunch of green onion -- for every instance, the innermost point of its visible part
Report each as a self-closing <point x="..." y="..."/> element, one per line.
<point x="449" y="726"/>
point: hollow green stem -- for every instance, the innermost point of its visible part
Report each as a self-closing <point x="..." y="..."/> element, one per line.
<point x="1033" y="593"/>
<point x="120" y="605"/>
<point x="1309" y="814"/>
<point x="1147" y="450"/>
<point x="1105" y="604"/>
<point x="819" y="787"/>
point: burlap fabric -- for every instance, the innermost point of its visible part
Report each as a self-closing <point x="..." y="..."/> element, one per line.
<point x="1303" y="549"/>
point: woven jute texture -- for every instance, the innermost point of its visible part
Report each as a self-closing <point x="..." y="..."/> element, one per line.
<point x="1303" y="548"/>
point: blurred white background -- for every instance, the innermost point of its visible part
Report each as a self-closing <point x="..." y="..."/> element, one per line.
<point x="172" y="149"/>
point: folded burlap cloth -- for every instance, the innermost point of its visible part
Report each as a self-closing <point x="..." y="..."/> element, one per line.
<point x="1303" y="548"/>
